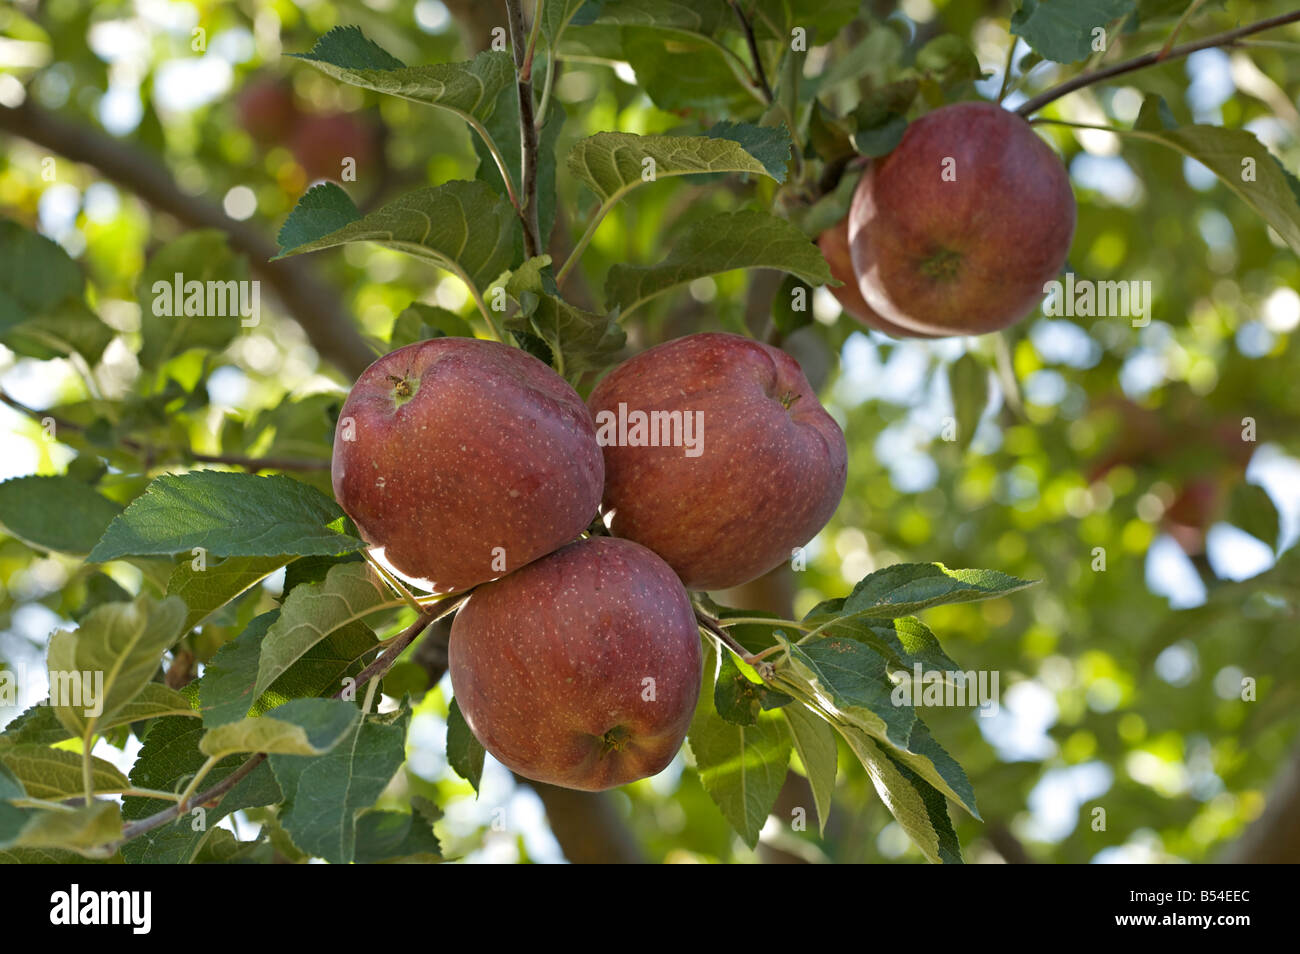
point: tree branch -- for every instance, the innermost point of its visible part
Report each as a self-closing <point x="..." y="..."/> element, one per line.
<point x="760" y="75"/>
<point x="523" y="50"/>
<point x="1150" y="59"/>
<point x="313" y="305"/>
<point x="1274" y="837"/>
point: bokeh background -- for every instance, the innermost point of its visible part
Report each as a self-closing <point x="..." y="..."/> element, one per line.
<point x="1172" y="450"/>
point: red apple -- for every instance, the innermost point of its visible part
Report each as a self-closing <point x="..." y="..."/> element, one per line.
<point x="465" y="459"/>
<point x="834" y="243"/>
<point x="267" y="111"/>
<point x="583" y="668"/>
<point x="321" y="143"/>
<point x="765" y="474"/>
<point x="958" y="230"/>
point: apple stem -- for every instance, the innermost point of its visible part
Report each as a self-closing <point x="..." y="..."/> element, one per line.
<point x="1031" y="106"/>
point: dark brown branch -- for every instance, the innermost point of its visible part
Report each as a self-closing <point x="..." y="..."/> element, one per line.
<point x="759" y="73"/>
<point x="312" y="304"/>
<point x="152" y="453"/>
<point x="1031" y="106"/>
<point x="523" y="50"/>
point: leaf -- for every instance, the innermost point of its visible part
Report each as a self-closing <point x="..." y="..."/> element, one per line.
<point x="467" y="89"/>
<point x="612" y="164"/>
<point x="56" y="773"/>
<point x="299" y="727"/>
<point x="43" y="312"/>
<point x="123" y="643"/>
<point x="227" y="514"/>
<point x="420" y="322"/>
<point x="848" y="680"/>
<point x="906" y="642"/>
<point x="86" y="830"/>
<point x="168" y="759"/>
<point x="556" y="17"/>
<point x="55" y="513"/>
<point x="949" y="59"/>
<point x="717" y="244"/>
<point x="324" y="794"/>
<point x="814" y="740"/>
<point x="918" y="806"/>
<point x="1062" y="30"/>
<point x="40" y="725"/>
<point x="907" y="588"/>
<point x="578" y="340"/>
<point x="1232" y="154"/>
<point x="464" y="751"/>
<point x="503" y="127"/>
<point x="968" y="380"/>
<point x="739" y="699"/>
<point x="741" y="767"/>
<point x="880" y="138"/>
<point x="395" y="836"/>
<point x="311" y="613"/>
<point x="463" y="227"/>
<point x="206" y="591"/>
<point x="770" y="145"/>
<point x="1252" y="509"/>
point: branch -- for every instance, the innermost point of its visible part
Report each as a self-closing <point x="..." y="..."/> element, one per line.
<point x="312" y="304"/>
<point x="527" y="125"/>
<point x="151" y="452"/>
<point x="1150" y="59"/>
<point x="760" y="76"/>
<point x="1273" y="837"/>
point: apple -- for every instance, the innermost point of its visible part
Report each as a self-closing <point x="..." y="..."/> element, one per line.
<point x="321" y="143"/>
<point x="267" y="110"/>
<point x="583" y="668"/>
<point x="834" y="243"/>
<point x="957" y="230"/>
<point x="465" y="459"/>
<point x="735" y="464"/>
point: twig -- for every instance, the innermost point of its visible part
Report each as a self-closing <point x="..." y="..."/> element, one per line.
<point x="1182" y="21"/>
<point x="527" y="125"/>
<point x="151" y="452"/>
<point x="760" y="75"/>
<point x="1006" y="70"/>
<point x="1031" y="106"/>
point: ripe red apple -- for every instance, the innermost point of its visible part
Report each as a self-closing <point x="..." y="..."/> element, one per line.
<point x="465" y="459"/>
<point x="267" y="110"/>
<point x="766" y="471"/>
<point x="957" y="230"/>
<point x="834" y="243"/>
<point x="321" y="143"/>
<point x="583" y="668"/>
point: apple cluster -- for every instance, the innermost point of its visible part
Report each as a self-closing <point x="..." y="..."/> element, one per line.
<point x="472" y="465"/>
<point x="957" y="230"/>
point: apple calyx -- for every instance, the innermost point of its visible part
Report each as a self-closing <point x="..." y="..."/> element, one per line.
<point x="404" y="389"/>
<point x="615" y="740"/>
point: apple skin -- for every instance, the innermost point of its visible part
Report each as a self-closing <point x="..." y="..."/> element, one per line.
<point x="490" y="449"/>
<point x="267" y="110"/>
<point x="321" y="143"/>
<point x="770" y="473"/>
<point x="834" y="243"/>
<point x="969" y="256"/>
<point x="548" y="663"/>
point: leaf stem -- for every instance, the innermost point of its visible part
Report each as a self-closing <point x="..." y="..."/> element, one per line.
<point x="760" y="75"/>
<point x="393" y="581"/>
<point x="762" y="620"/>
<point x="1006" y="70"/>
<point x="527" y="124"/>
<point x="1031" y="106"/>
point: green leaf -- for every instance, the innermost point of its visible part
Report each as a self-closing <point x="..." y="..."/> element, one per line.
<point x="1155" y="114"/>
<point x="503" y="128"/>
<point x="122" y="641"/>
<point x="814" y="740"/>
<point x="770" y="145"/>
<point x="56" y="773"/>
<point x="206" y="591"/>
<point x="43" y="312"/>
<point x="1234" y="155"/>
<point x="203" y="255"/>
<point x="86" y="830"/>
<point x="463" y="227"/>
<point x="323" y="210"/>
<point x="1061" y="30"/>
<point x="741" y="767"/>
<point x="880" y="138"/>
<point x="968" y="380"/>
<point x="949" y="59"/>
<point x="578" y="340"/>
<point x="556" y="17"/>
<point x="311" y="613"/>
<point x="717" y="244"/>
<point x="918" y="806"/>
<point x="55" y="513"/>
<point x="40" y="724"/>
<point x="739" y="699"/>
<point x="906" y="642"/>
<point x="907" y="588"/>
<point x="467" y="89"/>
<point x="1252" y="509"/>
<point x="612" y="164"/>
<point x="324" y="794"/>
<point x="850" y="681"/>
<point x="299" y="727"/>
<point x="420" y="322"/>
<point x="227" y="514"/>
<point x="395" y="836"/>
<point x="167" y="761"/>
<point x="464" y="751"/>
